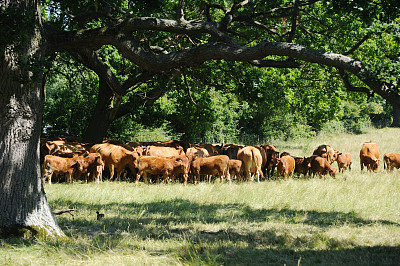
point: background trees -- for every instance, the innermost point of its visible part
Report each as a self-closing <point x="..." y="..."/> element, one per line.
<point x="225" y="101"/>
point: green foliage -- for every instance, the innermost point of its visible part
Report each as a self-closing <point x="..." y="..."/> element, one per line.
<point x="16" y="26"/>
<point x="70" y="98"/>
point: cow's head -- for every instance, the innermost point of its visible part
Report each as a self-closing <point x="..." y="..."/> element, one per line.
<point x="333" y="173"/>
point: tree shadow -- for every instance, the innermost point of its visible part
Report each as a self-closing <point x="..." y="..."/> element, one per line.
<point x="179" y="220"/>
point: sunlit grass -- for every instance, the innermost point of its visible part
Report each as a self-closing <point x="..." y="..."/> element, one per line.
<point x="353" y="220"/>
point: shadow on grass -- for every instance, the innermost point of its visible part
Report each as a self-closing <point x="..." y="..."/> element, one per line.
<point x="193" y="223"/>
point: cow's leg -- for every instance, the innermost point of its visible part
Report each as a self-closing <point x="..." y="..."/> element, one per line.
<point x="111" y="168"/>
<point x="139" y="173"/>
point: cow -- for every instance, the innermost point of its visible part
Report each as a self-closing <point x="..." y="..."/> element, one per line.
<point x="185" y="168"/>
<point x="369" y="156"/>
<point x="116" y="158"/>
<point x="198" y="151"/>
<point x="391" y="160"/>
<point x="285" y="167"/>
<point x="302" y="165"/>
<point x="214" y="165"/>
<point x="155" y="165"/>
<point x="163" y="151"/>
<point x="231" y="150"/>
<point x="65" y="149"/>
<point x="326" y="152"/>
<point x="236" y="169"/>
<point x="90" y="166"/>
<point x="321" y="166"/>
<point x="252" y="160"/>
<point x="213" y="149"/>
<point x="272" y="155"/>
<point x="59" y="165"/>
<point x="343" y="161"/>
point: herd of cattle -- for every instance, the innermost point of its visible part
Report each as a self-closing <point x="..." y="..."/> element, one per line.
<point x="177" y="160"/>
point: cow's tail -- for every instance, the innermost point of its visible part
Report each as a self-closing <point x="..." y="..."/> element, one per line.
<point x="384" y="164"/>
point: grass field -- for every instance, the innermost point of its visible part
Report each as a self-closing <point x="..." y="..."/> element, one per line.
<point x="353" y="220"/>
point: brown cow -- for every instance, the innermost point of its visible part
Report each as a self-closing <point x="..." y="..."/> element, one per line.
<point x="183" y="169"/>
<point x="155" y="165"/>
<point x="236" y="169"/>
<point x="285" y="167"/>
<point x="116" y="158"/>
<point x="198" y="151"/>
<point x="90" y="165"/>
<point x="58" y="165"/>
<point x="343" y="160"/>
<point x="326" y="152"/>
<point x="214" y="165"/>
<point x="252" y="160"/>
<point x="302" y="165"/>
<point x="391" y="160"/>
<point x="163" y="151"/>
<point x="369" y="157"/>
<point x="321" y="166"/>
<point x="272" y="155"/>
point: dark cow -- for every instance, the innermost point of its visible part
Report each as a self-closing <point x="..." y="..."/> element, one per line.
<point x="343" y="160"/>
<point x="391" y="160"/>
<point x="213" y="149"/>
<point x="231" y="150"/>
<point x="214" y="165"/>
<point x="369" y="157"/>
<point x="321" y="166"/>
<point x="272" y="156"/>
<point x="302" y="165"/>
<point x="285" y="167"/>
<point x="59" y="165"/>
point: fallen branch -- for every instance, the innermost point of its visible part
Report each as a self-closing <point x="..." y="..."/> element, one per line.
<point x="65" y="211"/>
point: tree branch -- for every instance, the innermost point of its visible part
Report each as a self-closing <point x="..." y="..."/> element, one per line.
<point x="358" y="44"/>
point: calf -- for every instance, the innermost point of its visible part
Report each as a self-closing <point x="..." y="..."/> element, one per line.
<point x="155" y="165"/>
<point x="90" y="165"/>
<point x="58" y="165"/>
<point x="236" y="169"/>
<point x="321" y="166"/>
<point x="214" y="165"/>
<point x="302" y="165"/>
<point x="391" y="160"/>
<point x="343" y="160"/>
<point x="285" y="167"/>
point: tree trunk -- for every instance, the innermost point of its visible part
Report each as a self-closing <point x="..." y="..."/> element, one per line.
<point x="102" y="116"/>
<point x="396" y="117"/>
<point x="23" y="202"/>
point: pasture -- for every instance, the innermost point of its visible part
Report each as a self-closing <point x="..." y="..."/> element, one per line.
<point x="353" y="220"/>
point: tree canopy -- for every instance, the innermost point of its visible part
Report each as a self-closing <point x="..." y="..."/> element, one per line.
<point x="160" y="63"/>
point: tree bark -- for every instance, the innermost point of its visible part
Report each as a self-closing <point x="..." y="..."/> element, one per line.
<point x="23" y="202"/>
<point x="396" y="117"/>
<point x="103" y="114"/>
